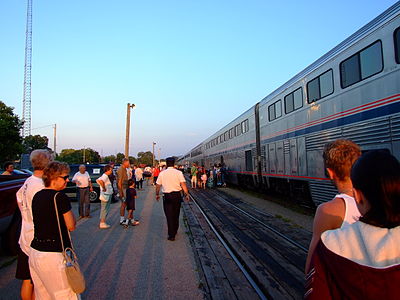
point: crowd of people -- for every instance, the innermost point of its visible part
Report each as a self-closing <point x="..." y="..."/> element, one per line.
<point x="353" y="253"/>
<point x="47" y="216"/>
<point x="201" y="177"/>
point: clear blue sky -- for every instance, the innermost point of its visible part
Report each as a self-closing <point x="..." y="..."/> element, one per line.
<point x="189" y="66"/>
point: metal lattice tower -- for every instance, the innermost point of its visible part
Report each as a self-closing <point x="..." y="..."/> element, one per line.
<point x="26" y="102"/>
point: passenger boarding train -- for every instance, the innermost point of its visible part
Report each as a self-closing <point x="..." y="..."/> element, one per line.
<point x="352" y="92"/>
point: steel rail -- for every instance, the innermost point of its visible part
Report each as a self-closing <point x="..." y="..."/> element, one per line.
<point x="229" y="250"/>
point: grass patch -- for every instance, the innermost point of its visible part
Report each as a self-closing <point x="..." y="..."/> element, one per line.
<point x="278" y="199"/>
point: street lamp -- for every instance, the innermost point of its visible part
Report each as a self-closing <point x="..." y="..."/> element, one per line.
<point x="128" y="125"/>
<point x="153" y="154"/>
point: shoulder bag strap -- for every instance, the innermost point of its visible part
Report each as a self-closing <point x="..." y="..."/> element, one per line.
<point x="59" y="226"/>
<point x="58" y="222"/>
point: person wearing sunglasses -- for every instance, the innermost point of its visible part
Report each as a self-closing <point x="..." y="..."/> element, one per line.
<point x="46" y="260"/>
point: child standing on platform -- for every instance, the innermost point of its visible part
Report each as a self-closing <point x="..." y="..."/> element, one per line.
<point x="130" y="204"/>
<point x="204" y="180"/>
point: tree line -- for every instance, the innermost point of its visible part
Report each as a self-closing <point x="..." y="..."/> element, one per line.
<point x="13" y="145"/>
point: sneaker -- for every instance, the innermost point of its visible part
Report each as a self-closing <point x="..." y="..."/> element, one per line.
<point x="134" y="223"/>
<point x="104" y="226"/>
<point x="125" y="224"/>
<point x="121" y="220"/>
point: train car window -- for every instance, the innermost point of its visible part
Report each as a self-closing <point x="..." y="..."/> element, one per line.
<point x="362" y="65"/>
<point x="320" y="86"/>
<point x="397" y="44"/>
<point x="231" y="134"/>
<point x="275" y="110"/>
<point x="245" y="126"/>
<point x="278" y="109"/>
<point x="313" y="90"/>
<point x="371" y="60"/>
<point x="289" y="104"/>
<point x="298" y="98"/>
<point x="294" y="100"/>
<point x="271" y="112"/>
<point x="350" y="71"/>
<point x="326" y="83"/>
<point x="238" y="130"/>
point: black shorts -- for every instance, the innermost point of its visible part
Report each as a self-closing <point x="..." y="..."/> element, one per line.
<point x="130" y="204"/>
<point x="23" y="272"/>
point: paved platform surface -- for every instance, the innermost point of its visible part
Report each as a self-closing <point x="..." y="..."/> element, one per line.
<point x="133" y="263"/>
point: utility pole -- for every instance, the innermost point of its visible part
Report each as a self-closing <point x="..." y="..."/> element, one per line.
<point x="55" y="139"/>
<point x="153" y="154"/>
<point x="26" y="100"/>
<point x="128" y="125"/>
<point x="84" y="154"/>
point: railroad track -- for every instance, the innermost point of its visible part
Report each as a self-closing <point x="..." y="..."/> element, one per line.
<point x="232" y="254"/>
<point x="272" y="262"/>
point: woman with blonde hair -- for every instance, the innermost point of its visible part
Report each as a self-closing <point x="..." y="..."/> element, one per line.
<point x="46" y="260"/>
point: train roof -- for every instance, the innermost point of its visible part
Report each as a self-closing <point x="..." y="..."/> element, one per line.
<point x="384" y="17"/>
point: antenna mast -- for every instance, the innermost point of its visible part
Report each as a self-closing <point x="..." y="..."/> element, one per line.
<point x="26" y="102"/>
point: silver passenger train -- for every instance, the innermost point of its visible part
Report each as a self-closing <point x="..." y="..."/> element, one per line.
<point x="351" y="92"/>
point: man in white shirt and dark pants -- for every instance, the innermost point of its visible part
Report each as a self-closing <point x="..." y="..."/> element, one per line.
<point x="172" y="183"/>
<point x="84" y="185"/>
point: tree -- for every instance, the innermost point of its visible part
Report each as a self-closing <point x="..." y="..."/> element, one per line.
<point x="133" y="160"/>
<point x="10" y="134"/>
<point x="90" y="155"/>
<point x="109" y="158"/>
<point x="145" y="158"/>
<point x="33" y="142"/>
<point x="72" y="156"/>
<point x="119" y="158"/>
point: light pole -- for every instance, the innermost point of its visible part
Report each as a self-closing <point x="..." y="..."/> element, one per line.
<point x="153" y="154"/>
<point x="128" y="125"/>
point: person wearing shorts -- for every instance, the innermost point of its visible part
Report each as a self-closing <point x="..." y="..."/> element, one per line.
<point x="131" y="195"/>
<point x="193" y="173"/>
<point x="106" y="192"/>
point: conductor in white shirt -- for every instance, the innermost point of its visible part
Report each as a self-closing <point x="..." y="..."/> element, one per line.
<point x="172" y="183"/>
<point x="84" y="185"/>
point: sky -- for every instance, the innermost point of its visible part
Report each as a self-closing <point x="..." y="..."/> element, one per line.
<point x="190" y="67"/>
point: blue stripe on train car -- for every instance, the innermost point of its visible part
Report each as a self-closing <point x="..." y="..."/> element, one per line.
<point x="358" y="117"/>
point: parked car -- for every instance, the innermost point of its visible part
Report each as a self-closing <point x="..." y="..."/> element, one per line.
<point x="95" y="171"/>
<point x="10" y="216"/>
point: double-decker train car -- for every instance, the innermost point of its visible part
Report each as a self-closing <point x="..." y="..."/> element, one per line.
<point x="351" y="92"/>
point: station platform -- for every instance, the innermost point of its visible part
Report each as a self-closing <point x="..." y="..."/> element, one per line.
<point x="134" y="263"/>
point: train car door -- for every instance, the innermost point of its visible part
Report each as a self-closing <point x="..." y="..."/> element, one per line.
<point x="272" y="158"/>
<point x="293" y="157"/>
<point x="302" y="156"/>
<point x="280" y="158"/>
